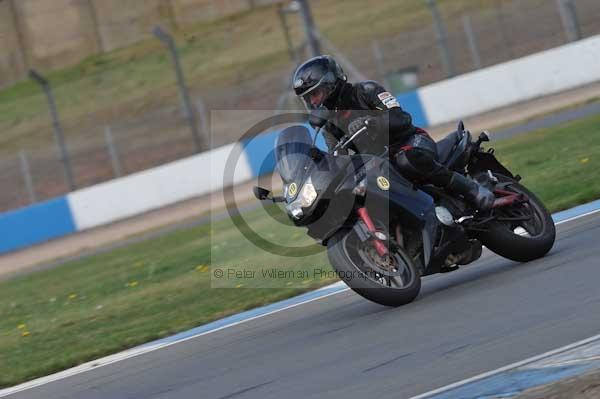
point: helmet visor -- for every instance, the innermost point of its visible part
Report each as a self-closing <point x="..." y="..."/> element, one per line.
<point x="315" y="97"/>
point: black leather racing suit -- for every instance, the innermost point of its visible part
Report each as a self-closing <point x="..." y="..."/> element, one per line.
<point x="410" y="147"/>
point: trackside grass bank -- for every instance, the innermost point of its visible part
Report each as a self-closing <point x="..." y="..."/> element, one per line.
<point x="55" y="319"/>
<point x="561" y="164"/>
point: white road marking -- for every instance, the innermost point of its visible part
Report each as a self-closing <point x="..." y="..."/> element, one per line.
<point x="578" y="217"/>
<point x="507" y="368"/>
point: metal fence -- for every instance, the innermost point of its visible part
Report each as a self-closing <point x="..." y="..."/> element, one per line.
<point x="110" y="143"/>
<point x="477" y="40"/>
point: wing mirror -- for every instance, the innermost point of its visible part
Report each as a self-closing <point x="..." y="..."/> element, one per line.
<point x="265" y="195"/>
<point x="483" y="137"/>
<point x="261" y="193"/>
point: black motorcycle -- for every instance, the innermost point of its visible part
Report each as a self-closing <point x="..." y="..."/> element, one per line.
<point x="383" y="232"/>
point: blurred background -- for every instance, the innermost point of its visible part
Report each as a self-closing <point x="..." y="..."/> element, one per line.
<point x="94" y="90"/>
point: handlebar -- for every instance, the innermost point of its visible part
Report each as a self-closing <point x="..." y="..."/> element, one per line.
<point x="343" y="143"/>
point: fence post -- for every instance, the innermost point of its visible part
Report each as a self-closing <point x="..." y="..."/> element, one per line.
<point x="503" y="33"/>
<point x="167" y="40"/>
<point x="26" y="172"/>
<point x="96" y="26"/>
<point x="442" y="39"/>
<point x="23" y="61"/>
<point x="282" y="11"/>
<point x="472" y="40"/>
<point x="312" y="39"/>
<point x="58" y="132"/>
<point x="203" y="119"/>
<point x="568" y="16"/>
<point x="115" y="161"/>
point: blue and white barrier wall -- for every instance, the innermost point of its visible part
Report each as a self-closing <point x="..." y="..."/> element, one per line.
<point x="121" y="198"/>
<point x="37" y="223"/>
<point x="154" y="188"/>
<point x="537" y="75"/>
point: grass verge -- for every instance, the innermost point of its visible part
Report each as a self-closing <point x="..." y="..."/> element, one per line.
<point x="55" y="319"/>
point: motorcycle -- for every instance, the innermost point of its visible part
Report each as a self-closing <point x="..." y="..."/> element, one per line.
<point x="383" y="232"/>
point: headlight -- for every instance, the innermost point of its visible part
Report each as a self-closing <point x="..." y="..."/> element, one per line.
<point x="307" y="195"/>
<point x="306" y="198"/>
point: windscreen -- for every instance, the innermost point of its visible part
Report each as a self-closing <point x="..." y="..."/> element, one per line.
<point x="292" y="153"/>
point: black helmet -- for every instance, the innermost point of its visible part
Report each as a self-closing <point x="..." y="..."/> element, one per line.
<point x="317" y="79"/>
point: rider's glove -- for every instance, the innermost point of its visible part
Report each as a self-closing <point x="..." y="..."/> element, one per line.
<point x="369" y="121"/>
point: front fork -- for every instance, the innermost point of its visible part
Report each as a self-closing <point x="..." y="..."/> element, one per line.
<point x="380" y="247"/>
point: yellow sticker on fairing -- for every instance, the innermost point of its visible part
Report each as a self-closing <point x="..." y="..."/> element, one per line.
<point x="292" y="189"/>
<point x="383" y="183"/>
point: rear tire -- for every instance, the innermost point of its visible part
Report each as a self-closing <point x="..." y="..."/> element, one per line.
<point x="503" y="240"/>
<point x="343" y="251"/>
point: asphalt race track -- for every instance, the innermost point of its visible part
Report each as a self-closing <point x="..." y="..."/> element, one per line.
<point x="477" y="319"/>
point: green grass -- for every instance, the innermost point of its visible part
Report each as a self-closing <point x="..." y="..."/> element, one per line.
<point x="83" y="310"/>
<point x="561" y="165"/>
<point x="222" y="54"/>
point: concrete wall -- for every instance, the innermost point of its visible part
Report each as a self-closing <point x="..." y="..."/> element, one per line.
<point x="523" y="79"/>
<point x="152" y="189"/>
<point x="34" y="224"/>
<point x="121" y="198"/>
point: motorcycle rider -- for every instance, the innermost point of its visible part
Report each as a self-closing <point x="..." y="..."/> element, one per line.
<point x="321" y="82"/>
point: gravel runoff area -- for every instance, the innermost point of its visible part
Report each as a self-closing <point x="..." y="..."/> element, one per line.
<point x="168" y="218"/>
<point x="585" y="386"/>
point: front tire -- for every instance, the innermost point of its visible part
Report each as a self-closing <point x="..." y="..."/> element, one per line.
<point x="521" y="243"/>
<point x="350" y="258"/>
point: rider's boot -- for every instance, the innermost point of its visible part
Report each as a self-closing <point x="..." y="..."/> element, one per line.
<point x="473" y="191"/>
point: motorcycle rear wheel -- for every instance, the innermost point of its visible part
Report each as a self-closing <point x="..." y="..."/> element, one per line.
<point x="394" y="282"/>
<point x="521" y="241"/>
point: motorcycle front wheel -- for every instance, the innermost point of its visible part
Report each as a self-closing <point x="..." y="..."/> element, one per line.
<point x="390" y="281"/>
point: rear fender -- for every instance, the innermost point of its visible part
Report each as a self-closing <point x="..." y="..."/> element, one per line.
<point x="482" y="161"/>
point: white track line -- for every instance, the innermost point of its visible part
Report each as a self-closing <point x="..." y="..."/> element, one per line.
<point x="507" y="368"/>
<point x="151" y="348"/>
<point x="578" y="217"/>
